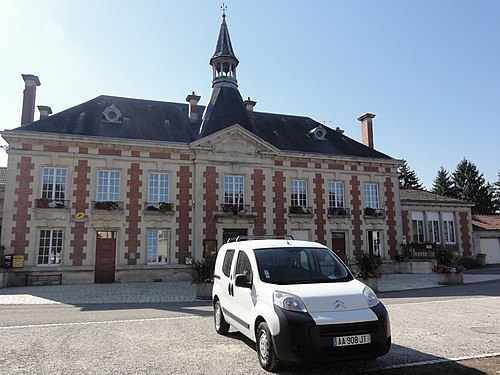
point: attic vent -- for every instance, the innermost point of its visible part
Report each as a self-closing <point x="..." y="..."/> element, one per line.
<point x="318" y="133"/>
<point x="112" y="114"/>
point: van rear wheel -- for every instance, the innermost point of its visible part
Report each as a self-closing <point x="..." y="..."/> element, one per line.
<point x="220" y="324"/>
<point x="265" y="349"/>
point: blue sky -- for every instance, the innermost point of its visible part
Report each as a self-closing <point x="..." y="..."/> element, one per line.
<point x="428" y="69"/>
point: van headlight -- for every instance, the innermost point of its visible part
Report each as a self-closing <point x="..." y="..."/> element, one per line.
<point x="371" y="297"/>
<point x="288" y="301"/>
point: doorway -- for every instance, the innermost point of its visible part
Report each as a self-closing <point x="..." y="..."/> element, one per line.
<point x="105" y="257"/>
<point x="338" y="244"/>
<point x="228" y="233"/>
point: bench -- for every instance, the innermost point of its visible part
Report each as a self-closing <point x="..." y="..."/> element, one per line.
<point x="43" y="279"/>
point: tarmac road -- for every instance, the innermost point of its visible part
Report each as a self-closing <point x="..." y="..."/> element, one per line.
<point x="430" y="327"/>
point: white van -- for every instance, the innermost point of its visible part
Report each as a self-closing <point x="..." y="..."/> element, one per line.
<point x="298" y="301"/>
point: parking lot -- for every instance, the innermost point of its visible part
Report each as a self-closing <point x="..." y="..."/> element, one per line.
<point x="430" y="327"/>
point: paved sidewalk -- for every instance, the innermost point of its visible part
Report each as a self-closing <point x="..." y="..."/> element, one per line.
<point x="179" y="291"/>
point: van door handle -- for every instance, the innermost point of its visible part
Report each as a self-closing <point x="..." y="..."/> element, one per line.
<point x="229" y="289"/>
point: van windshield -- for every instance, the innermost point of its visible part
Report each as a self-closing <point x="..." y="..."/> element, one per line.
<point x="300" y="266"/>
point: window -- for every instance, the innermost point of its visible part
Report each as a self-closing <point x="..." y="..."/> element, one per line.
<point x="108" y="186"/>
<point x="228" y="260"/>
<point x="158" y="246"/>
<point x="158" y="187"/>
<point x="375" y="243"/>
<point x="299" y="193"/>
<point x="417" y="222"/>
<point x="233" y="190"/>
<point x="243" y="266"/>
<point x="448" y="227"/>
<point x="371" y="195"/>
<point x="336" y="194"/>
<point x="54" y="183"/>
<point x="433" y="233"/>
<point x="50" y="246"/>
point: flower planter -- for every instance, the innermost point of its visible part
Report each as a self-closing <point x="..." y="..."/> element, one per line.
<point x="451" y="278"/>
<point x="372" y="282"/>
<point x="204" y="291"/>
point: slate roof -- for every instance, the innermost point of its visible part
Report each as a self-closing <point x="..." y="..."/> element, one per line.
<point x="408" y="196"/>
<point x="224" y="47"/>
<point x="169" y="122"/>
<point x="486" y="222"/>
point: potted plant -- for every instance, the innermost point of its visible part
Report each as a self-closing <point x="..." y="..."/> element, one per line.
<point x="368" y="265"/>
<point x="448" y="270"/>
<point x="203" y="277"/>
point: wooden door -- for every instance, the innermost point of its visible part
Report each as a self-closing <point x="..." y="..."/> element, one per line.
<point x="105" y="258"/>
<point x="338" y="244"/>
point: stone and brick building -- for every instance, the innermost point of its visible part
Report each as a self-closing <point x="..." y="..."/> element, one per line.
<point x="119" y="189"/>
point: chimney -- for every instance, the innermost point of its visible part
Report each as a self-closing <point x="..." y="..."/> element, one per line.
<point x="249" y="104"/>
<point x="193" y="100"/>
<point x="367" y="129"/>
<point x="45" y="111"/>
<point x="30" y="84"/>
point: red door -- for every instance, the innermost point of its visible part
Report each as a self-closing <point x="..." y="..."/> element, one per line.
<point x="105" y="258"/>
<point x="338" y="244"/>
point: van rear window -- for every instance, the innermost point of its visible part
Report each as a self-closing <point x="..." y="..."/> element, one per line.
<point x="228" y="260"/>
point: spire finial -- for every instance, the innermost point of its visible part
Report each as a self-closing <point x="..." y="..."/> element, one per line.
<point x="223" y="8"/>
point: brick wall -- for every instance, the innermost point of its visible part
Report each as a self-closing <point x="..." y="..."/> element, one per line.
<point x="357" y="235"/>
<point x="259" y="201"/>
<point x="210" y="199"/>
<point x="80" y="195"/>
<point x="279" y="192"/>
<point x="391" y="217"/>
<point x="465" y="234"/>
<point x="319" y="208"/>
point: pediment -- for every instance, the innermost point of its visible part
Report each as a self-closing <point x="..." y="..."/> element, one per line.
<point x="236" y="141"/>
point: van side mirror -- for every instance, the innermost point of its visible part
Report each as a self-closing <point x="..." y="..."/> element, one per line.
<point x="242" y="281"/>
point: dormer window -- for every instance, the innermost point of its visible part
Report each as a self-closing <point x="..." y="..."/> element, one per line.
<point x="318" y="133"/>
<point x="112" y="114"/>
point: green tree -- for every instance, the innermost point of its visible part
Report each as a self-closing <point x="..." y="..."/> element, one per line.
<point x="408" y="178"/>
<point x="469" y="185"/>
<point x="496" y="193"/>
<point x="443" y="185"/>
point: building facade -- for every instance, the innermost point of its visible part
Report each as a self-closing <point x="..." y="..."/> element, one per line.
<point x="119" y="189"/>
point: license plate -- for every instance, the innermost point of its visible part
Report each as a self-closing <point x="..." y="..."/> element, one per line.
<point x="351" y="340"/>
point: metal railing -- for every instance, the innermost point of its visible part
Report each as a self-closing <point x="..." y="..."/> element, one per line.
<point x="51" y="203"/>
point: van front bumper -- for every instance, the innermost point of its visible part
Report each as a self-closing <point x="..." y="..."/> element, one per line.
<point x="300" y="338"/>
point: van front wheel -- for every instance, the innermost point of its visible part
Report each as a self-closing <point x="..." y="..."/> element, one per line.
<point x="221" y="326"/>
<point x="265" y="349"/>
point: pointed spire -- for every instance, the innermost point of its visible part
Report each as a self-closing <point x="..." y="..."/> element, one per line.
<point x="224" y="61"/>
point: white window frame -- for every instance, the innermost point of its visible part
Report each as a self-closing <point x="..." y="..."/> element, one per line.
<point x="371" y="195"/>
<point x="234" y="190"/>
<point x="158" y="187"/>
<point x="449" y="228"/>
<point x="108" y="186"/>
<point x="433" y="227"/>
<point x="53" y="183"/>
<point x="375" y="242"/>
<point x="417" y="225"/>
<point x="158" y="246"/>
<point x="298" y="193"/>
<point x="336" y="194"/>
<point x="50" y="247"/>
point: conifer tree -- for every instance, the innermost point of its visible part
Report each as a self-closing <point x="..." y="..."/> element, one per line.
<point x="443" y="185"/>
<point x="408" y="178"/>
<point x="469" y="185"/>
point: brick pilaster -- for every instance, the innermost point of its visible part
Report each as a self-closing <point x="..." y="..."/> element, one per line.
<point x="259" y="201"/>
<point x="465" y="234"/>
<point x="319" y="208"/>
<point x="80" y="195"/>
<point x="210" y="199"/>
<point x="133" y="207"/>
<point x="391" y="218"/>
<point x="279" y="201"/>
<point x="22" y="202"/>
<point x="183" y="219"/>
<point x="357" y="234"/>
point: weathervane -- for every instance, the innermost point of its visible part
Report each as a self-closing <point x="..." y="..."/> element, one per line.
<point x="223" y="8"/>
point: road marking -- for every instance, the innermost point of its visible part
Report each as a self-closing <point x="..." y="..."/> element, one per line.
<point x="97" y="322"/>
<point x="435" y="301"/>
<point x="432" y="362"/>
